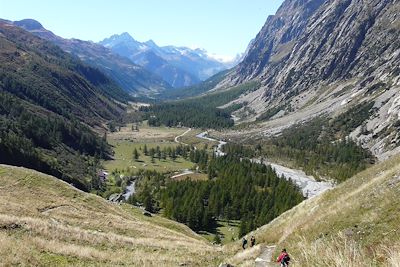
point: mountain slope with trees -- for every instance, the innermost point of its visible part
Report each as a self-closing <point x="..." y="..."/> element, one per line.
<point x="236" y="190"/>
<point x="50" y="102"/>
<point x="134" y="79"/>
<point x="203" y="111"/>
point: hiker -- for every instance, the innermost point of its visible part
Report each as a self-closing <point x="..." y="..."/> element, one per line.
<point x="252" y="241"/>
<point x="244" y="243"/>
<point x="283" y="258"/>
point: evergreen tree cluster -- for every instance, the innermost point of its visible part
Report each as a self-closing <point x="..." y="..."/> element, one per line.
<point x="166" y="152"/>
<point x="348" y="121"/>
<point x="189" y="115"/>
<point x="240" y="150"/>
<point x="49" y="144"/>
<point x="148" y="188"/>
<point x="199" y="112"/>
<point x="315" y="147"/>
<point x="237" y="190"/>
<point x="200" y="157"/>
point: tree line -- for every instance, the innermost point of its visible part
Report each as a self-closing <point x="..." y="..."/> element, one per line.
<point x="199" y="112"/>
<point x="321" y="147"/>
<point x="237" y="189"/>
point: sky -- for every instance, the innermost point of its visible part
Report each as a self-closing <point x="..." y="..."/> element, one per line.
<point x="222" y="27"/>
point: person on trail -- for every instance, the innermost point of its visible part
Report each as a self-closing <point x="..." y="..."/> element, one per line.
<point x="283" y="258"/>
<point x="244" y="243"/>
<point x="252" y="241"/>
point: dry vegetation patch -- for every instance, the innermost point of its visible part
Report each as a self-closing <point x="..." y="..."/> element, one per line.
<point x="44" y="221"/>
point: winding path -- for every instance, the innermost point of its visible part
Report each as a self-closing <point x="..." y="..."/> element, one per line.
<point x="264" y="259"/>
<point x="181" y="135"/>
<point x="185" y="172"/>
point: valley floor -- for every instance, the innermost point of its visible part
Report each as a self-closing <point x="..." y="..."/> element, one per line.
<point x="46" y="222"/>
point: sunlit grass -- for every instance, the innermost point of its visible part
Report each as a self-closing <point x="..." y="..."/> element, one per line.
<point x="123" y="157"/>
<point x="46" y="222"/>
<point x="227" y="231"/>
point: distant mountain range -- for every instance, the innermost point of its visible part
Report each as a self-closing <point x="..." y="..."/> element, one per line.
<point x="179" y="66"/>
<point x="141" y="69"/>
<point x="133" y="78"/>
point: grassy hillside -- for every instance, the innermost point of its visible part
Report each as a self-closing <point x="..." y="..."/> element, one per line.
<point x="46" y="222"/>
<point x="356" y="224"/>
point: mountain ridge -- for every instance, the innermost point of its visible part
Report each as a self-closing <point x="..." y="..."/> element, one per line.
<point x="131" y="77"/>
<point x="188" y="66"/>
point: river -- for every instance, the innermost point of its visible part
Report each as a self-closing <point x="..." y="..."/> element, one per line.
<point x="308" y="185"/>
<point x="130" y="190"/>
<point x="218" y="150"/>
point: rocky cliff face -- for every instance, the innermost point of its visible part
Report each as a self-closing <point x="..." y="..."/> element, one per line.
<point x="317" y="40"/>
<point x="277" y="37"/>
<point x="320" y="56"/>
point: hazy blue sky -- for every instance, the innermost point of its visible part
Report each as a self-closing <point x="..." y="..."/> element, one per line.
<point x="223" y="27"/>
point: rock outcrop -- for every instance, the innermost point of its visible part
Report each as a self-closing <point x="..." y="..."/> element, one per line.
<point x="320" y="56"/>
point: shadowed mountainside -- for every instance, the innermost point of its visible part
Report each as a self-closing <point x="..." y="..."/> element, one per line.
<point x="131" y="77"/>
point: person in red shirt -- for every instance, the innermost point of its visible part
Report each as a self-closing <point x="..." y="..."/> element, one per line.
<point x="283" y="258"/>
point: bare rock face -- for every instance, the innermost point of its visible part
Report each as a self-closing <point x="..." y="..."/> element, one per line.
<point x="323" y="56"/>
<point x="276" y="39"/>
<point x="323" y="41"/>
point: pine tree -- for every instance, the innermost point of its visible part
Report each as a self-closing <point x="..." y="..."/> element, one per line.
<point x="135" y="154"/>
<point x="173" y="154"/>
<point x="217" y="239"/>
<point x="242" y="229"/>
<point x="152" y="152"/>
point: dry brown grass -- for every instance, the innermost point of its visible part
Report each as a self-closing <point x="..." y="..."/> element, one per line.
<point x="339" y="250"/>
<point x="334" y="251"/>
<point x="46" y="222"/>
<point x="392" y="254"/>
<point x="147" y="133"/>
<point x="356" y="224"/>
<point x="193" y="177"/>
<point x="245" y="257"/>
